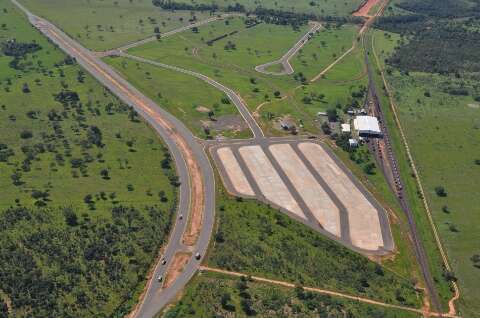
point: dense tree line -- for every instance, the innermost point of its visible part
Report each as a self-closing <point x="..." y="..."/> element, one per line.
<point x="432" y="43"/>
<point x="267" y="15"/>
<point x="172" y="5"/>
<point x="71" y="267"/>
<point x="442" y="8"/>
<point x="18" y="50"/>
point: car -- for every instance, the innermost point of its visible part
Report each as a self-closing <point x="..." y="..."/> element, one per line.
<point x="198" y="256"/>
<point x="164" y="261"/>
<point x="160" y="278"/>
<point x="181" y="217"/>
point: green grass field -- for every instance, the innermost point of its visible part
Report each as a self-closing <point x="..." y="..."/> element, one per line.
<point x="442" y="131"/>
<point x="323" y="49"/>
<point x="235" y="67"/>
<point x="87" y="194"/>
<point x="186" y="97"/>
<point x="213" y="295"/>
<point x="436" y="265"/>
<point x="255" y="239"/>
<point x="102" y="25"/>
<point x="318" y="7"/>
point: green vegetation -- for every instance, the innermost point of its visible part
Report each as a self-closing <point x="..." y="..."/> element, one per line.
<point x="323" y="49"/>
<point x="437" y="99"/>
<point x="206" y="111"/>
<point x="213" y="295"/>
<point x="412" y="193"/>
<point x="317" y="7"/>
<point x="447" y="47"/>
<point x="229" y="50"/>
<point x="80" y="223"/>
<point x="102" y="25"/>
<point x="255" y="239"/>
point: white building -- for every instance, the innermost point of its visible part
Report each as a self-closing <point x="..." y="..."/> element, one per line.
<point x="353" y="143"/>
<point x="367" y="126"/>
<point x="345" y="128"/>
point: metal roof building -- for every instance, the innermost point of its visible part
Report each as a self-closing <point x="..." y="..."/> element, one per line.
<point x="367" y="126"/>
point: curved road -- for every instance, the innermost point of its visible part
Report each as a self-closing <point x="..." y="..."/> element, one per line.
<point x="234" y="97"/>
<point x="197" y="190"/>
<point x="285" y="59"/>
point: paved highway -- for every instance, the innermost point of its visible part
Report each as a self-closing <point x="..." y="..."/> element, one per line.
<point x="193" y="167"/>
<point x="285" y="59"/>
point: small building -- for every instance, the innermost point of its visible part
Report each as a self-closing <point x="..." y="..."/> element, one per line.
<point x="353" y="143"/>
<point x="367" y="126"/>
<point x="345" y="128"/>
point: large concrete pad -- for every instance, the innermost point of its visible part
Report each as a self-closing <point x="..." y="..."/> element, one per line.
<point x="364" y="222"/>
<point x="268" y="180"/>
<point x="314" y="196"/>
<point x="234" y="172"/>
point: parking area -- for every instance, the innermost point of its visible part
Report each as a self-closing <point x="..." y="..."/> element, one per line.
<point x="305" y="180"/>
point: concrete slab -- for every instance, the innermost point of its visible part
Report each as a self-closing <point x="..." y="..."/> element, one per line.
<point x="364" y="222"/>
<point x="268" y="180"/>
<point x="314" y="196"/>
<point x="234" y="172"/>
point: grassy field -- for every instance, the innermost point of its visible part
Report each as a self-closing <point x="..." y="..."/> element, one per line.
<point x="255" y="239"/>
<point x="102" y="25"/>
<point x="213" y="295"/>
<point x="187" y="98"/>
<point x="436" y="265"/>
<point x="323" y="49"/>
<point x="232" y="60"/>
<point x="318" y="7"/>
<point x="442" y="130"/>
<point x="87" y="187"/>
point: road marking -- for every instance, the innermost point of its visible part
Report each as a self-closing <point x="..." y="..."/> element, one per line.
<point x="314" y="196"/>
<point x="364" y="222"/>
<point x="234" y="171"/>
<point x="268" y="180"/>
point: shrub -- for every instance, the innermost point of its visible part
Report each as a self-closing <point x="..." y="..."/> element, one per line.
<point x="26" y="134"/>
<point x="440" y="191"/>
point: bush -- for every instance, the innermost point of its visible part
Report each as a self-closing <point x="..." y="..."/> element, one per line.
<point x="26" y="134"/>
<point x="440" y="191"/>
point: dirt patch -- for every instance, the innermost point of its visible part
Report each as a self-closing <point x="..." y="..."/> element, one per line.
<point x="227" y="122"/>
<point x="285" y="123"/>
<point x="365" y="8"/>
<point x="176" y="267"/>
<point x="202" y="109"/>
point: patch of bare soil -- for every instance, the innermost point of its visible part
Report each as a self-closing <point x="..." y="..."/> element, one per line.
<point x="176" y="267"/>
<point x="365" y="8"/>
<point x="202" y="109"/>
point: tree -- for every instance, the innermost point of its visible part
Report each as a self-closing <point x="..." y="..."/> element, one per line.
<point x="440" y="191"/>
<point x="105" y="174"/>
<point x="70" y="217"/>
<point x="211" y="115"/>
<point x="195" y="30"/>
<point x="332" y="114"/>
<point x="326" y="128"/>
<point x="369" y="168"/>
<point x="277" y="94"/>
<point x="26" y="134"/>
<point x="25" y="88"/>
